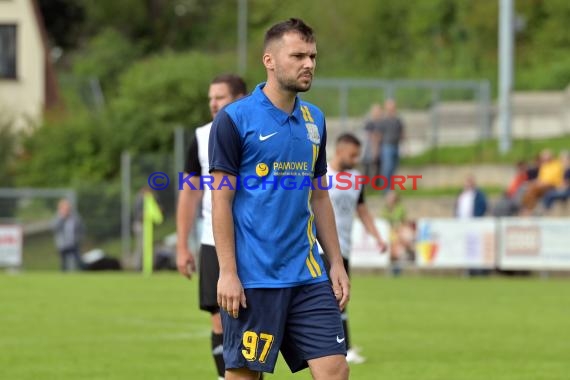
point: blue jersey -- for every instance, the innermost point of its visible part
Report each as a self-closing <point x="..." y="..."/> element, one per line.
<point x="275" y="157"/>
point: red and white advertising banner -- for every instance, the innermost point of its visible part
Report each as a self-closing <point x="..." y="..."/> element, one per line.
<point x="365" y="252"/>
<point x="10" y="245"/>
<point x="534" y="243"/>
<point x="456" y="243"/>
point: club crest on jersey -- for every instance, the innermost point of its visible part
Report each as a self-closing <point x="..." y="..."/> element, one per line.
<point x="313" y="133"/>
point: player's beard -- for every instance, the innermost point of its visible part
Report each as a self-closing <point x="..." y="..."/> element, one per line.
<point x="292" y="83"/>
<point x="344" y="166"/>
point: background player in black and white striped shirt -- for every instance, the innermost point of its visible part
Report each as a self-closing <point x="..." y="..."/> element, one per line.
<point x="223" y="90"/>
<point x="347" y="202"/>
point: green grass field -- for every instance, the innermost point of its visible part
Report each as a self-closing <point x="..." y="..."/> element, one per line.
<point x="124" y="326"/>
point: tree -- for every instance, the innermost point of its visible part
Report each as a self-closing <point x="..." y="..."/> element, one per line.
<point x="106" y="55"/>
<point x="63" y="20"/>
<point x="160" y="93"/>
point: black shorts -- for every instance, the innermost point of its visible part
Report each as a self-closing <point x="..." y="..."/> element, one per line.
<point x="302" y="322"/>
<point x="209" y="272"/>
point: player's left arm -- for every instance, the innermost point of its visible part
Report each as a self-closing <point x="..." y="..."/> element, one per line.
<point x="326" y="225"/>
<point x="368" y="222"/>
<point x="328" y="238"/>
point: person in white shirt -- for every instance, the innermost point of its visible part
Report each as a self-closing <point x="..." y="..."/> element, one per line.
<point x="223" y="90"/>
<point x="346" y="203"/>
<point x="471" y="202"/>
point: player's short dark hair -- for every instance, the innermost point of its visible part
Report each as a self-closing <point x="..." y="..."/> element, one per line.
<point x="292" y="25"/>
<point x="235" y="83"/>
<point x="348" y="138"/>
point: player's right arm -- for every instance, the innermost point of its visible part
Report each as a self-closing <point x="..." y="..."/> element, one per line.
<point x="224" y="151"/>
<point x="188" y="202"/>
<point x="230" y="290"/>
<point x="368" y="221"/>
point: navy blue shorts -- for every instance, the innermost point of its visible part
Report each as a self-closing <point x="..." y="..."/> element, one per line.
<point x="302" y="322"/>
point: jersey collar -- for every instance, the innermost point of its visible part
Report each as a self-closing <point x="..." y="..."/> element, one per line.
<point x="279" y="115"/>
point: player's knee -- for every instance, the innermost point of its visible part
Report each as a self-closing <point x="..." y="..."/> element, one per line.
<point x="334" y="370"/>
<point x="339" y="370"/>
<point x="342" y="370"/>
<point x="217" y="323"/>
<point x="241" y="374"/>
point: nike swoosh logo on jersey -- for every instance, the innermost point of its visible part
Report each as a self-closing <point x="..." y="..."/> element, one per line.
<point x="339" y="340"/>
<point x="263" y="138"/>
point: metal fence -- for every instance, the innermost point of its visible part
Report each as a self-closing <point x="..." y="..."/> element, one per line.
<point x="135" y="173"/>
<point x="34" y="205"/>
<point x="136" y="170"/>
<point x="98" y="205"/>
<point x="34" y="209"/>
<point x="435" y="112"/>
<point x="108" y="209"/>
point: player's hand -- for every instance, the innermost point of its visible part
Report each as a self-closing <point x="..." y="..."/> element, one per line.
<point x="340" y="284"/>
<point x="231" y="294"/>
<point x="382" y="246"/>
<point x="185" y="262"/>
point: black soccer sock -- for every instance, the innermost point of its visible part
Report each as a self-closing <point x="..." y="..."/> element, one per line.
<point x="345" y="328"/>
<point x="218" y="353"/>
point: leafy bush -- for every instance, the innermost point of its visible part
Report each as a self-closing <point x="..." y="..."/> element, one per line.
<point x="7" y="147"/>
<point x="157" y="94"/>
<point x="8" y="141"/>
<point x="79" y="148"/>
<point x="99" y="205"/>
<point x="105" y="57"/>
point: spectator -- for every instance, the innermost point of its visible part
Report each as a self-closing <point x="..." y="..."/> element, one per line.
<point x="402" y="231"/>
<point x="371" y="159"/>
<point x="505" y="206"/>
<point x="391" y="134"/>
<point x="510" y="202"/>
<point x="519" y="180"/>
<point x="550" y="177"/>
<point x="532" y="169"/>
<point x="394" y="212"/>
<point x="471" y="202"/>
<point x="68" y="232"/>
<point x="561" y="193"/>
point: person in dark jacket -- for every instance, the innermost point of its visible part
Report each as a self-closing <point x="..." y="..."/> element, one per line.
<point x="392" y="134"/>
<point x="471" y="202"/>
<point x="68" y="232"/>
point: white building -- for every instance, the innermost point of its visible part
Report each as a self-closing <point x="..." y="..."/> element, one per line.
<point x="28" y="84"/>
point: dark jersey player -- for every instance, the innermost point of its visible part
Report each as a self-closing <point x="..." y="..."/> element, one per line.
<point x="273" y="289"/>
<point x="223" y="90"/>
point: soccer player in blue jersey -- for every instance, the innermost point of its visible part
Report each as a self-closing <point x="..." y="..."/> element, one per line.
<point x="273" y="289"/>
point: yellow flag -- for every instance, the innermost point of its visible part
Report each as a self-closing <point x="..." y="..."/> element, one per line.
<point x="151" y="215"/>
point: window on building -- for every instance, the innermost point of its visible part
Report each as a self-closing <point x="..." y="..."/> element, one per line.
<point x="7" y="51"/>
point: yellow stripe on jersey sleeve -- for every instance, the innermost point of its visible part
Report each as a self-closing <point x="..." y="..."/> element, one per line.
<point x="304" y="112"/>
<point x="311" y="262"/>
<point x="315" y="155"/>
<point x="315" y="264"/>
<point x="307" y="114"/>
<point x="308" y="262"/>
<point x="310" y="235"/>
